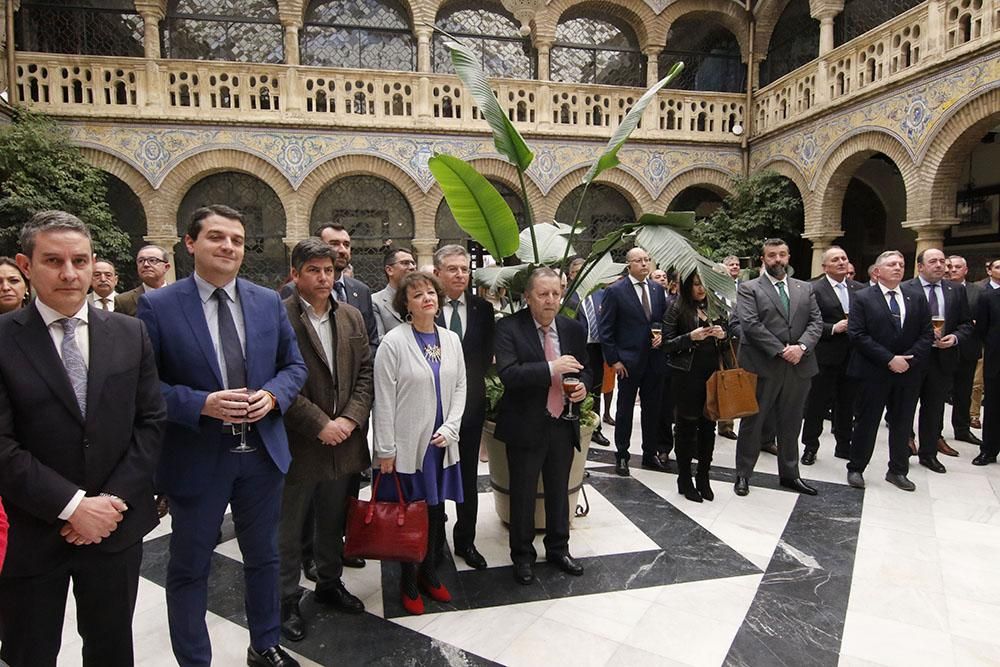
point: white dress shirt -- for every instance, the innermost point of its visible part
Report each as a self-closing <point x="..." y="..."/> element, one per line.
<point x="463" y="313"/>
<point x="900" y="299"/>
<point x="210" y="306"/>
<point x="51" y="319"/>
<point x="108" y="300"/>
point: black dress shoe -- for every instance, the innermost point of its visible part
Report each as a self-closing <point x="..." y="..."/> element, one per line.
<point x="900" y="481"/>
<point x="524" y="574"/>
<point x="844" y="454"/>
<point x="566" y="563"/>
<point x="932" y="464"/>
<point x="353" y="561"/>
<point x="293" y="626"/>
<point x="728" y="433"/>
<point x="798" y="485"/>
<point x="472" y="557"/>
<point x="338" y="597"/>
<point x="984" y="460"/>
<point x="657" y="462"/>
<point x="771" y="447"/>
<point x="808" y="457"/>
<point x="856" y="479"/>
<point x="270" y="657"/>
<point x="970" y="438"/>
<point x="309" y="569"/>
<point x="621" y="468"/>
<point x="742" y="486"/>
<point x="598" y="439"/>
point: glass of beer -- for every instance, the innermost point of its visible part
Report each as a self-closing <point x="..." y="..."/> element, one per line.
<point x="655" y="329"/>
<point x="569" y="385"/>
<point x="937" y="321"/>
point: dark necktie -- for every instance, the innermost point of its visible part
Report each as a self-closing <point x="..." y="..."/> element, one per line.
<point x="897" y="318"/>
<point x="229" y="340"/>
<point x="932" y="299"/>
<point x="645" y="300"/>
<point x="340" y="292"/>
<point x="784" y="296"/>
<point x="72" y="359"/>
<point x="455" y="324"/>
<point x="104" y="303"/>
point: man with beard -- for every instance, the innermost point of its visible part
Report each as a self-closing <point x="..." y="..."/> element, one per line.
<point x="345" y="288"/>
<point x="780" y="325"/>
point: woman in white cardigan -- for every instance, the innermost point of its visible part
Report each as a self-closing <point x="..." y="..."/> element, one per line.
<point x="419" y="401"/>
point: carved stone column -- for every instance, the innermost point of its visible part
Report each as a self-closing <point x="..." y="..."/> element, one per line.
<point x="424" y="49"/>
<point x="292" y="54"/>
<point x="425" y="250"/>
<point x="652" y="64"/>
<point x="825" y="11"/>
<point x="543" y="46"/>
<point x="152" y="12"/>
<point x="821" y="241"/>
<point x="930" y="232"/>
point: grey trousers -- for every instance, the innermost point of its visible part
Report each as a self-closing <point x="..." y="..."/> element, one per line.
<point x="782" y="397"/>
<point x="328" y="543"/>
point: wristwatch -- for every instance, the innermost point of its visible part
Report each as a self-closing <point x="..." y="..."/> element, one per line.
<point x="803" y="347"/>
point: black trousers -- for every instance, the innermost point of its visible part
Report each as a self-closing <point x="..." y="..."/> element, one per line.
<point x="551" y="455"/>
<point x="961" y="396"/>
<point x="831" y="386"/>
<point x="667" y="413"/>
<point x="991" y="416"/>
<point x="470" y="436"/>
<point x="105" y="587"/>
<point x="648" y="385"/>
<point x="897" y="398"/>
<point x="935" y="386"/>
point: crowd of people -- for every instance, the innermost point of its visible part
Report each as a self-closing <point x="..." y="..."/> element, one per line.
<point x="213" y="394"/>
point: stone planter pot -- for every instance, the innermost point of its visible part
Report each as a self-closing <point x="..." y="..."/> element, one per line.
<point x="500" y="476"/>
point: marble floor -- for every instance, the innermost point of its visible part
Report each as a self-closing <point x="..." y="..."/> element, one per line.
<point x="874" y="577"/>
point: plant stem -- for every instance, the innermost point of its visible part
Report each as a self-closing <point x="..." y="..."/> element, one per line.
<point x="530" y="218"/>
<point x="576" y="222"/>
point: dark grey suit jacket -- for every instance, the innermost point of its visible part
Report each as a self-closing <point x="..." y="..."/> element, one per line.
<point x="765" y="329"/>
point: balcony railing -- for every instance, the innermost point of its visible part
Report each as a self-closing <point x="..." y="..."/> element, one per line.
<point x="207" y="91"/>
<point x="909" y="43"/>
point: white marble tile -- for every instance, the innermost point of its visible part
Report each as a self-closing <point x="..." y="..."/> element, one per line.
<point x="889" y="642"/>
<point x="957" y="508"/>
<point x="968" y="486"/>
<point x="974" y="620"/>
<point x="535" y="646"/>
<point x="898" y="543"/>
<point x="718" y="599"/>
<point x="485" y="632"/>
<point x="629" y="656"/>
<point x="682" y="636"/>
<point x="909" y="522"/>
<point x="753" y="545"/>
<point x="975" y="653"/>
<point x="906" y="604"/>
<point x="878" y="566"/>
<point x="971" y="583"/>
<point x="608" y="615"/>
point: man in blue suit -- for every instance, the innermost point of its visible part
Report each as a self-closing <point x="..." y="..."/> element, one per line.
<point x="229" y="363"/>
<point x="630" y="307"/>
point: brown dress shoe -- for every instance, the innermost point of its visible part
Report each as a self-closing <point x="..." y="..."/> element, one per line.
<point x="944" y="448"/>
<point x="912" y="444"/>
<point x="975" y="423"/>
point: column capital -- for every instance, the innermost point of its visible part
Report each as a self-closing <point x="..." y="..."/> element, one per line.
<point x="822" y="237"/>
<point x="156" y="9"/>
<point x="930" y="228"/>
<point x="424" y="248"/>
<point x="825" y="9"/>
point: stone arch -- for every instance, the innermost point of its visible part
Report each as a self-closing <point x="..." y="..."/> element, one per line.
<point x="726" y="13"/>
<point x="415" y="11"/>
<point x="719" y="182"/>
<point x="361" y="165"/>
<point x="637" y="14"/>
<point x="767" y="13"/>
<point x="830" y="183"/>
<point x="118" y="167"/>
<point x="626" y="184"/>
<point x="788" y="169"/>
<point x="947" y="148"/>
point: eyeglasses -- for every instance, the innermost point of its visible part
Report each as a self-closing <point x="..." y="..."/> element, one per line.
<point x="404" y="262"/>
<point x="153" y="261"/>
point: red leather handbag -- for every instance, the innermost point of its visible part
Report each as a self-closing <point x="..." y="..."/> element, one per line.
<point x="386" y="530"/>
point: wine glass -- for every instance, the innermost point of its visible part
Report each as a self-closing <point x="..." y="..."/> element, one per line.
<point x="569" y="385"/>
<point x="243" y="447"/>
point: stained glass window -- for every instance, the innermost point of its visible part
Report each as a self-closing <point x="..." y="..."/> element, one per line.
<point x="594" y="47"/>
<point x="234" y="30"/>
<point x="366" y="34"/>
<point x="98" y="28"/>
<point x="490" y="31"/>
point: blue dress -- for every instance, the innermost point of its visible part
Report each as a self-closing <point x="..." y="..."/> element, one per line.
<point x="432" y="482"/>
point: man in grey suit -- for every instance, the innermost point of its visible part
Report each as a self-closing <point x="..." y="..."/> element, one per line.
<point x="780" y="324"/>
<point x="397" y="263"/>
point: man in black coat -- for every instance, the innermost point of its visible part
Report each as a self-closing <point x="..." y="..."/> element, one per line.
<point x="970" y="351"/>
<point x="471" y="317"/>
<point x="81" y="421"/>
<point x="948" y="305"/>
<point x="534" y="349"/>
<point x="890" y="330"/>
<point x="834" y="292"/>
<point x="988" y="331"/>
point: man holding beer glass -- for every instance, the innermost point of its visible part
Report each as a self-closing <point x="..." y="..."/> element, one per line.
<point x="952" y="322"/>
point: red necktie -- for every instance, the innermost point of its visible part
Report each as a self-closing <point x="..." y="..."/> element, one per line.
<point x="554" y="404"/>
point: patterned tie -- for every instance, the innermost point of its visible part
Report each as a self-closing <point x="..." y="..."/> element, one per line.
<point x="897" y="316"/>
<point x="554" y="403"/>
<point x="845" y="301"/>
<point x="456" y="320"/>
<point x="592" y="324"/>
<point x="340" y="292"/>
<point x="645" y="300"/>
<point x="784" y="296"/>
<point x="104" y="303"/>
<point x="229" y="339"/>
<point x="932" y="300"/>
<point x="73" y="361"/>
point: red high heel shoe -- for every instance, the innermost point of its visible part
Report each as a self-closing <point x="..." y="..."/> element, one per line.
<point x="414" y="606"/>
<point x="437" y="593"/>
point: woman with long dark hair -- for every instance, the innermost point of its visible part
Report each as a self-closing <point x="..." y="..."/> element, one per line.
<point x="694" y="350"/>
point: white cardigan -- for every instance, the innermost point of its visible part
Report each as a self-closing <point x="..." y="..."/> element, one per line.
<point x="405" y="401"/>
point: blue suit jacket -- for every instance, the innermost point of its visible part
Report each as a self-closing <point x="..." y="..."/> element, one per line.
<point x="625" y="333"/>
<point x="189" y="372"/>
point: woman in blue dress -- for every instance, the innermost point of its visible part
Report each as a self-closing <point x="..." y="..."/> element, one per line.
<point x="419" y="401"/>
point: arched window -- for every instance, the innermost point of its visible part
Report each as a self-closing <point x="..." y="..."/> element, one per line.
<point x="265" y="259"/>
<point x="860" y="16"/>
<point x="491" y="31"/>
<point x="246" y="31"/>
<point x="605" y="210"/>
<point x="594" y="47"/>
<point x="96" y="28"/>
<point x="448" y="231"/>
<point x="127" y="211"/>
<point x="711" y="56"/>
<point x="701" y="200"/>
<point x="794" y="42"/>
<point x="375" y="213"/>
<point x="365" y="34"/>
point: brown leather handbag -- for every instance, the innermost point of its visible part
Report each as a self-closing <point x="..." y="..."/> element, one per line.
<point x="383" y="530"/>
<point x="731" y="393"/>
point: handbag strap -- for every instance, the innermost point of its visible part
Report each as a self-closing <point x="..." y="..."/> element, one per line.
<point x="399" y="494"/>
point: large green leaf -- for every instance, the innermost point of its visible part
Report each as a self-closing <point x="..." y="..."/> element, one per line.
<point x="497" y="277"/>
<point x="670" y="248"/>
<point x="477" y="206"/>
<point x="610" y="157"/>
<point x="551" y="238"/>
<point x="605" y="270"/>
<point x="507" y="139"/>
<point x="681" y="221"/>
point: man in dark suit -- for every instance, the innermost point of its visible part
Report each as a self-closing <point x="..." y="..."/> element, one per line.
<point x="890" y="330"/>
<point x="833" y="293"/>
<point x="970" y="352"/>
<point x="988" y="331"/>
<point x="948" y="303"/>
<point x="471" y="317"/>
<point x="345" y="288"/>
<point x="229" y="367"/>
<point x="81" y="420"/>
<point x="780" y="325"/>
<point x="326" y="433"/>
<point x="534" y="349"/>
<point x="630" y="306"/>
<point x="152" y="262"/>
